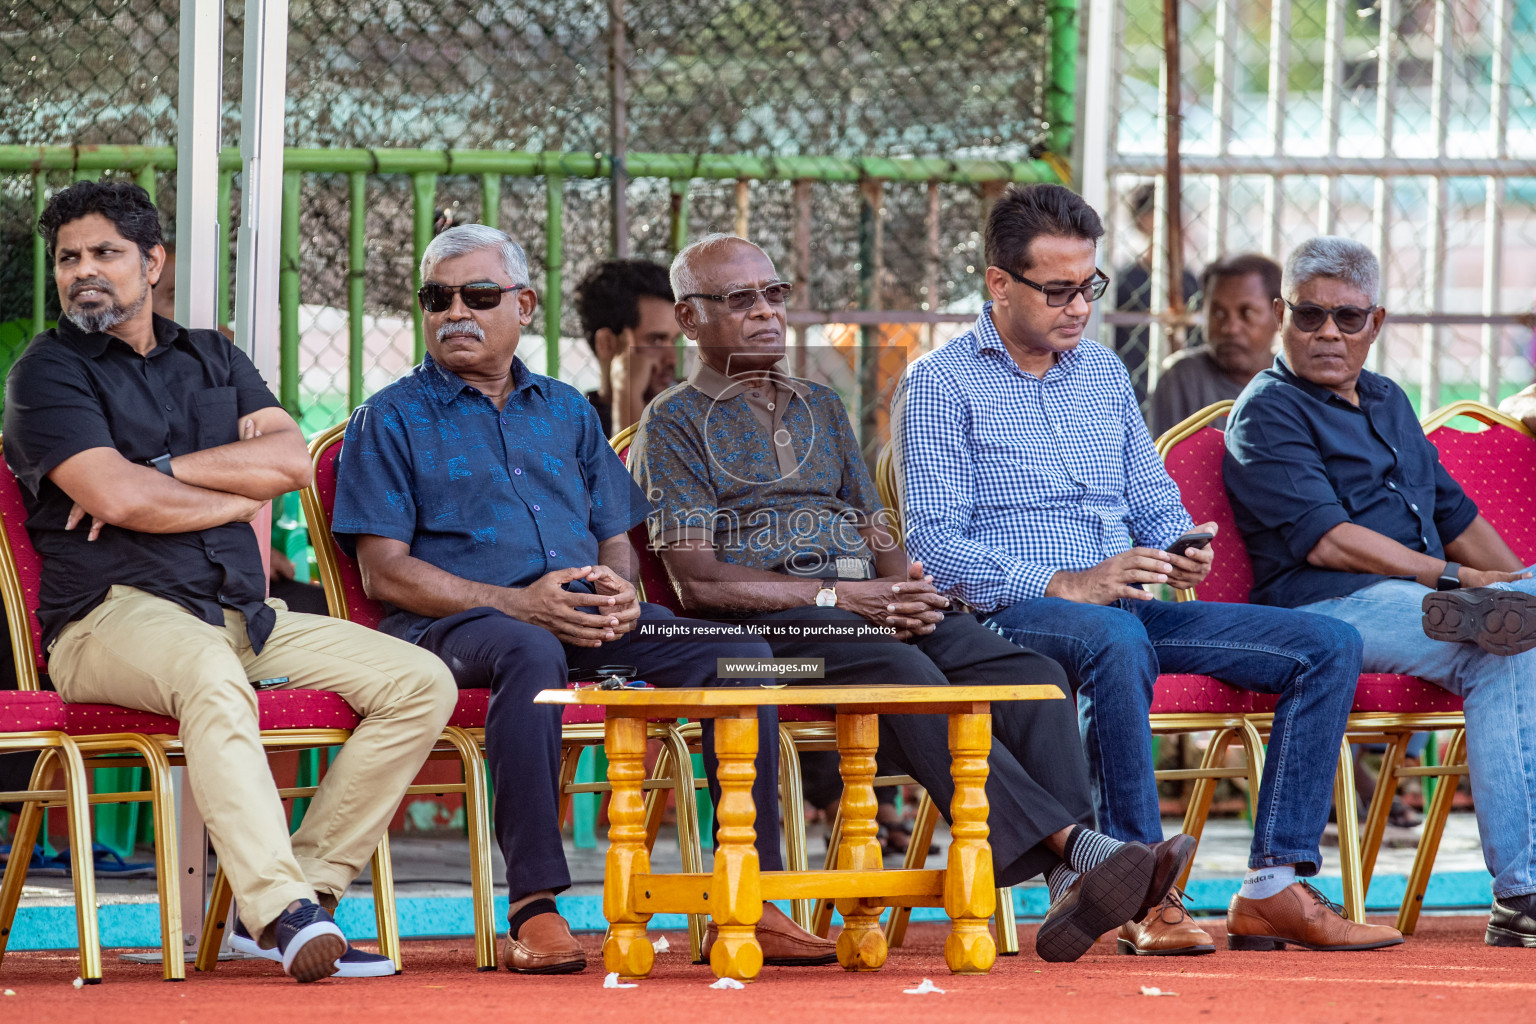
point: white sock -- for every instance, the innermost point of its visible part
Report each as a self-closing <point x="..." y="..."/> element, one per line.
<point x="1262" y="883"/>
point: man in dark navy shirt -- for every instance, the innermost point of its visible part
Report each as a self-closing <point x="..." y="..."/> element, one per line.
<point x="487" y="509"/>
<point x="143" y="451"/>
<point x="1348" y="512"/>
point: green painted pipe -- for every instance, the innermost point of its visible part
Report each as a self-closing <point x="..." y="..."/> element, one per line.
<point x="677" y="228"/>
<point x="144" y="177"/>
<point x="1061" y="89"/>
<point x="226" y="187"/>
<point x="490" y="199"/>
<point x="288" y="295"/>
<point x="357" y="254"/>
<point x="39" y="255"/>
<point x="423" y="195"/>
<point x="586" y="165"/>
<point x="554" y="255"/>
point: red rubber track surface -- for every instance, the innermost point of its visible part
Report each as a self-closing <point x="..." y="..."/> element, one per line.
<point x="1442" y="974"/>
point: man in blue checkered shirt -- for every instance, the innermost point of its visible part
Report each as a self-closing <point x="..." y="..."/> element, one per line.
<point x="1032" y="492"/>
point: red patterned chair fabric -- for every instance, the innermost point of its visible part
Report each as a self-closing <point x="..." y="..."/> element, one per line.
<point x="277" y="709"/>
<point x="1496" y="466"/>
<point x="31" y="711"/>
<point x="1191" y="694"/>
<point x="360" y="607"/>
<point x="1195" y="465"/>
<point x="29" y="564"/>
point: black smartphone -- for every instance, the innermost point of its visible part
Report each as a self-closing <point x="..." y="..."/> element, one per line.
<point x="1198" y="539"/>
<point x="269" y="683"/>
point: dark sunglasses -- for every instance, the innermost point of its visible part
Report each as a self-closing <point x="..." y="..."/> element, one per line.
<point x="436" y="298"/>
<point x="1309" y="317"/>
<point x="743" y="299"/>
<point x="1058" y="295"/>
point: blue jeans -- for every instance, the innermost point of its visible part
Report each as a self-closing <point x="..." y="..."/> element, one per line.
<point x="1113" y="654"/>
<point x="1499" y="698"/>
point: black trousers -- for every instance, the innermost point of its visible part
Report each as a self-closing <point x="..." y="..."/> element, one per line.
<point x="1038" y="783"/>
<point x="487" y="648"/>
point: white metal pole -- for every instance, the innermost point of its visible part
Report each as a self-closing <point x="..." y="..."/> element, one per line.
<point x="1439" y="200"/>
<point x="1279" y="70"/>
<point x="1096" y="115"/>
<point x="199" y="104"/>
<point x="261" y="194"/>
<point x="1493" y="216"/>
<point x="1333" y="107"/>
<point x="1386" y="114"/>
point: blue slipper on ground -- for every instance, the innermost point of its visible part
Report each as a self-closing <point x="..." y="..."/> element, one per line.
<point x="37" y="856"/>
<point x="108" y="862"/>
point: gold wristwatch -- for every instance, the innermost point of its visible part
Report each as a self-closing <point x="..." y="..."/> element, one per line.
<point x="826" y="597"/>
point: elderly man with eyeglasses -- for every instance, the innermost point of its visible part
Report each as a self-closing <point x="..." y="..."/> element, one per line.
<point x="1348" y="513"/>
<point x="489" y="514"/>
<point x="1033" y="493"/>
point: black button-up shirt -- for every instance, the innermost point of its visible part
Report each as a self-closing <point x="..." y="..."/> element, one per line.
<point x="1301" y="460"/>
<point x="72" y="391"/>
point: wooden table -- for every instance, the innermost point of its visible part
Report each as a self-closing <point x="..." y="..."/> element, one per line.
<point x="734" y="892"/>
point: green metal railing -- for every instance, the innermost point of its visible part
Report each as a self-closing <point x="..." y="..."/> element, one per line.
<point x="425" y="167"/>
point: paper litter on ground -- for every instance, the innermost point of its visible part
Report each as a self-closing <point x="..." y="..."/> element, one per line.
<point x="79" y="983"/>
<point x="727" y="983"/>
<point x="923" y="989"/>
<point x="1153" y="990"/>
<point x="612" y="981"/>
<point x="661" y="945"/>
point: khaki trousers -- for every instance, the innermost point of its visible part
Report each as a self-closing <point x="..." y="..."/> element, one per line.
<point x="141" y="651"/>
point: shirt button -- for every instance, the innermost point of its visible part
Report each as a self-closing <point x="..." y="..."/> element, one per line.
<point x="551" y="552"/>
<point x="1391" y="485"/>
<point x="770" y="406"/>
<point x="535" y="508"/>
<point x="517" y="472"/>
<point x="170" y="408"/>
<point x="1414" y="507"/>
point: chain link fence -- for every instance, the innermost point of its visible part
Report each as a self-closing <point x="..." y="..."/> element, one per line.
<point x="871" y="78"/>
<point x="1409" y="125"/>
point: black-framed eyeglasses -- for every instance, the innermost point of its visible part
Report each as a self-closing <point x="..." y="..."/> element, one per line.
<point x="1057" y="295"/>
<point x="1309" y="317"/>
<point x="436" y="298"/>
<point x="743" y="299"/>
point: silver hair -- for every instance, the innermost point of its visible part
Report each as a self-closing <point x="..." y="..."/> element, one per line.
<point x="468" y="238"/>
<point x="684" y="272"/>
<point x="1332" y="256"/>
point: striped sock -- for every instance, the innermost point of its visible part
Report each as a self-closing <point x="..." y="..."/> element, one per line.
<point x="1057" y="880"/>
<point x="1086" y="849"/>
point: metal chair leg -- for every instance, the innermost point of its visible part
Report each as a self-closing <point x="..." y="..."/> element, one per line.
<point x="477" y="816"/>
<point x="1434" y="828"/>
<point x="82" y="861"/>
<point x="220" y="898"/>
<point x="384" y="910"/>
<point x="792" y="812"/>
<point x="1349" y="834"/>
<point x="1381" y="808"/>
<point x="22" y="839"/>
<point x="689" y="841"/>
<point x="1204" y="789"/>
<point x="917" y="855"/>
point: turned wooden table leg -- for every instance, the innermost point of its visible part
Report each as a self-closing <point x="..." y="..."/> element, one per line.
<point x="735" y="894"/>
<point x="627" y="949"/>
<point x="861" y="946"/>
<point x="969" y="895"/>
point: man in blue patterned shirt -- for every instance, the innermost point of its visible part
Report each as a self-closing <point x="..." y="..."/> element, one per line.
<point x="1033" y="493"/>
<point x="488" y="512"/>
<point x="766" y="512"/>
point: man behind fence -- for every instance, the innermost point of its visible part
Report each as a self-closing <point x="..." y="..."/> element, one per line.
<point x="487" y="510"/>
<point x="1033" y="492"/>
<point x="766" y="512"/>
<point x="1347" y="512"/>
<point x="144" y="450"/>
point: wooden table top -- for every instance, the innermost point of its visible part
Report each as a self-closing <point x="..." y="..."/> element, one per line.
<point x="725" y="701"/>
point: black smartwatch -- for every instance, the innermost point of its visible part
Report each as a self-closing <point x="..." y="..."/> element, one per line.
<point x="163" y="464"/>
<point x="1450" y="577"/>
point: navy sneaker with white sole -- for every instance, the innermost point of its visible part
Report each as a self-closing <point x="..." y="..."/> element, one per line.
<point x="354" y="963"/>
<point x="309" y="941"/>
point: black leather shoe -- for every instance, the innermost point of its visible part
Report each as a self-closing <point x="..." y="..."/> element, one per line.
<point x="1513" y="922"/>
<point x="1103" y="898"/>
<point x="1173" y="856"/>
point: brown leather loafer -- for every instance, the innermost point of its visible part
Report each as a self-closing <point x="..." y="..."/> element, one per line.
<point x="545" y="945"/>
<point x="785" y="944"/>
<point x="1166" y="930"/>
<point x="1299" y="915"/>
<point x="1173" y="856"/>
<point x="1103" y="898"/>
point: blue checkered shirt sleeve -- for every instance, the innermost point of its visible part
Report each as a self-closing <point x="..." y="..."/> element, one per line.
<point x="938" y="496"/>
